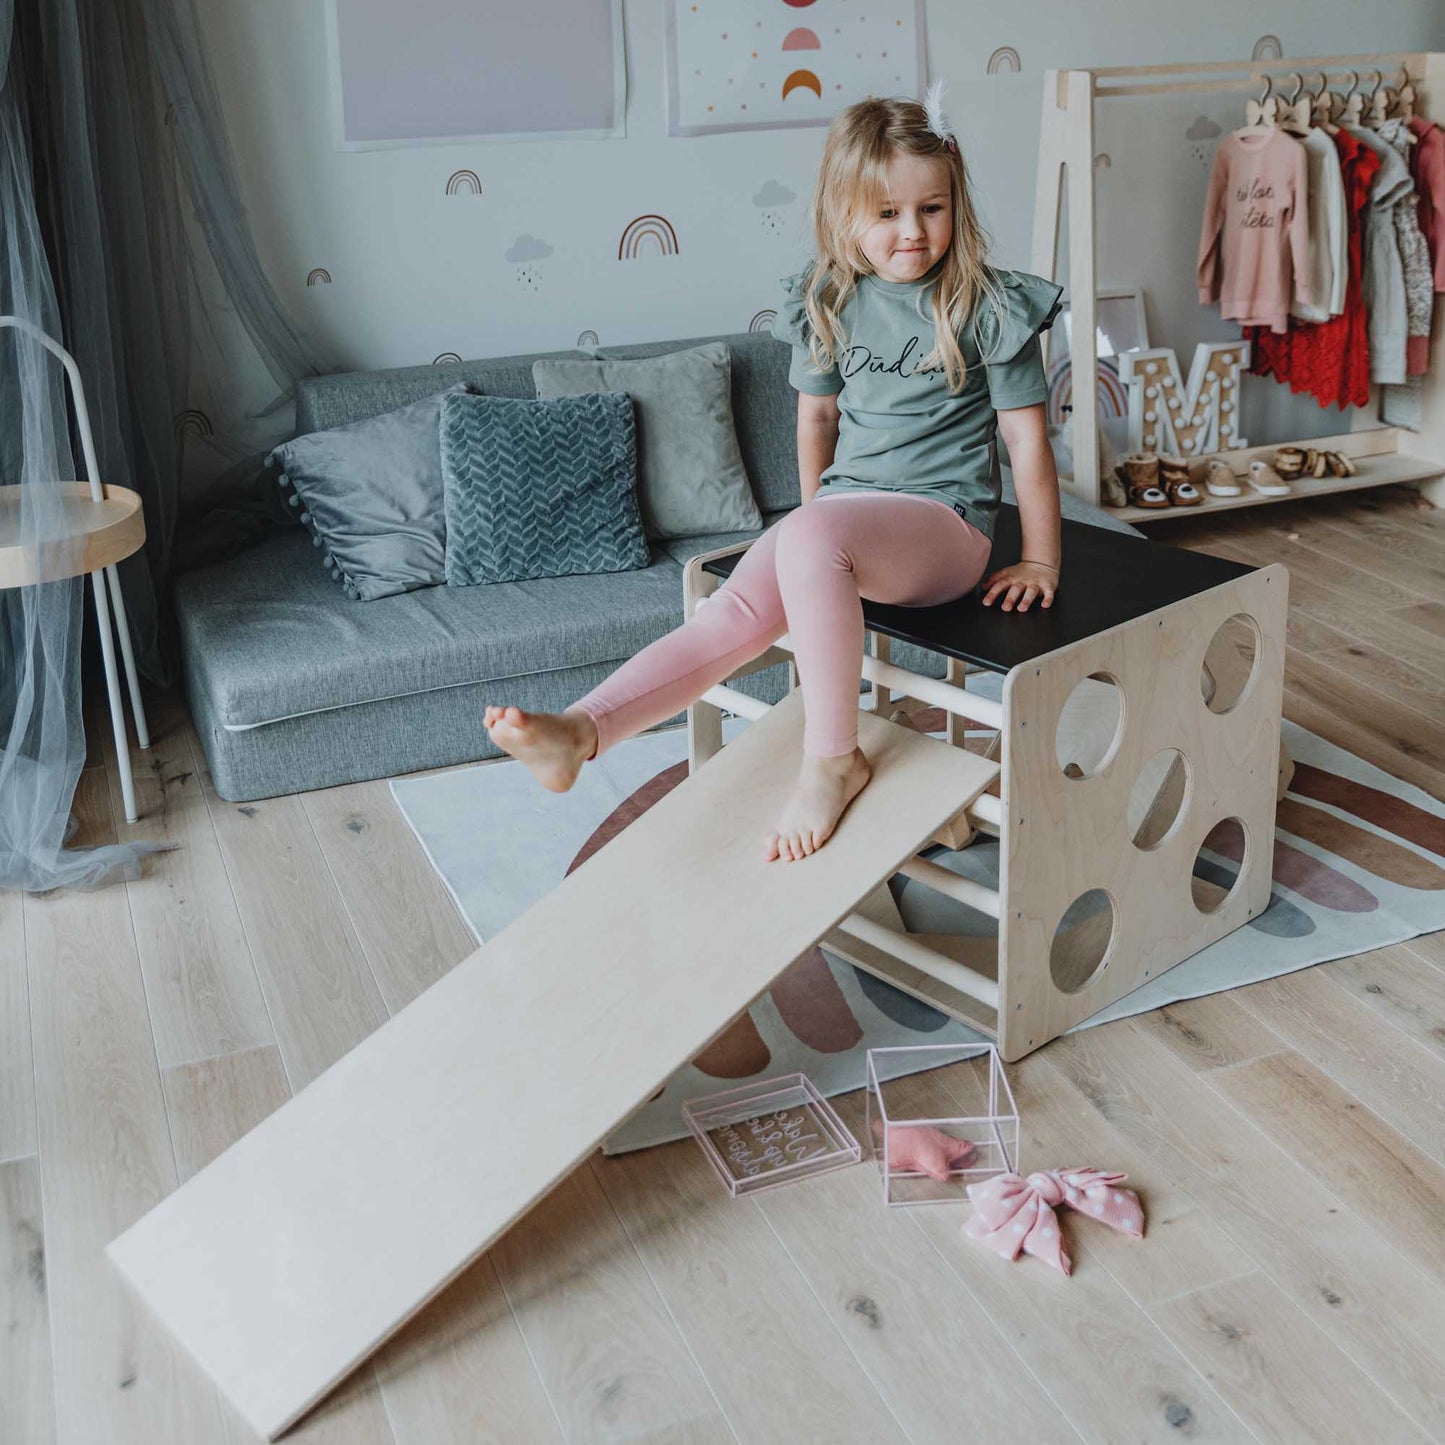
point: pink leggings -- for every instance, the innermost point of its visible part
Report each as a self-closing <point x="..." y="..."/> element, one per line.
<point x="804" y="576"/>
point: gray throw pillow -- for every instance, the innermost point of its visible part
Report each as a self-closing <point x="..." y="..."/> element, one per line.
<point x="539" y="488"/>
<point x="691" y="477"/>
<point x="371" y="493"/>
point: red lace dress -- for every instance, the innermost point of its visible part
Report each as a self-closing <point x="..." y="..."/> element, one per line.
<point x="1329" y="360"/>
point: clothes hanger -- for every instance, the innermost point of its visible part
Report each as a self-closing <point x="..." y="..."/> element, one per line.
<point x="1382" y="100"/>
<point x="1354" y="102"/>
<point x="1405" y="95"/>
<point x="1260" y="114"/>
<point x="1322" y="107"/>
<point x="1295" y="115"/>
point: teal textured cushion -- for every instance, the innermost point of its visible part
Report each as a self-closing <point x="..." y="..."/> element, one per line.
<point x="539" y="488"/>
<point x="691" y="476"/>
<point x="371" y="495"/>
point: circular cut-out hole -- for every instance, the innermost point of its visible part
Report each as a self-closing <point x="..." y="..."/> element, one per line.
<point x="1230" y="662"/>
<point x="1091" y="722"/>
<point x="1156" y="801"/>
<point x="1081" y="941"/>
<point x="1219" y="865"/>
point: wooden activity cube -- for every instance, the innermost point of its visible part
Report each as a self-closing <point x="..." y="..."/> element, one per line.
<point x="1140" y="715"/>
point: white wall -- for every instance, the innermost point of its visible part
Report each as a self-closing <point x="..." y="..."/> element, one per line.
<point x="416" y="272"/>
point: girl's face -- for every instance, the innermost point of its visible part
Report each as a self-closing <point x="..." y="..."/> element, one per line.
<point x="912" y="229"/>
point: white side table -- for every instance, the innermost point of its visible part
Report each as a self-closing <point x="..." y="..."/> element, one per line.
<point x="103" y="525"/>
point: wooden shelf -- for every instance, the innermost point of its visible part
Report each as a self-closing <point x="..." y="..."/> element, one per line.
<point x="1374" y="471"/>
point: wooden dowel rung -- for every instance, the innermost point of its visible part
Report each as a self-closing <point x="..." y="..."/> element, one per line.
<point x="1284" y="65"/>
<point x="944" y="880"/>
<point x="924" y="959"/>
<point x="737" y="702"/>
<point x="926" y="689"/>
<point x="987" y="809"/>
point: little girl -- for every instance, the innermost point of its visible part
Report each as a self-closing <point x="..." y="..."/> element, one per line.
<point x="910" y="355"/>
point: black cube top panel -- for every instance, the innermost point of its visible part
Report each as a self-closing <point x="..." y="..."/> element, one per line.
<point x="1106" y="578"/>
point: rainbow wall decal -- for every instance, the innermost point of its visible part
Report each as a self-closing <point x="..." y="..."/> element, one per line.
<point x="802" y="80"/>
<point x="193" y="421"/>
<point x="1112" y="396"/>
<point x="319" y="277"/>
<point x="763" y="321"/>
<point x="644" y="233"/>
<point x="447" y="358"/>
<point x="1004" y="60"/>
<point x="1102" y="161"/>
<point x="1267" y="47"/>
<point x="464" y="183"/>
<point x="587" y="338"/>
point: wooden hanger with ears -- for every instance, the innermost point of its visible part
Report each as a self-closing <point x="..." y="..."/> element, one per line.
<point x="1405" y="95"/>
<point x="1294" y="115"/>
<point x="1322" y="107"/>
<point x="1382" y="104"/>
<point x="1261" y="114"/>
<point x="1354" y="101"/>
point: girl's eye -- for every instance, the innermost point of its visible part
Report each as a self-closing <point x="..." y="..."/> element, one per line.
<point x="888" y="215"/>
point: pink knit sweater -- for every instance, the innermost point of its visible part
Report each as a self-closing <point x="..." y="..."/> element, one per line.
<point x="1255" y="236"/>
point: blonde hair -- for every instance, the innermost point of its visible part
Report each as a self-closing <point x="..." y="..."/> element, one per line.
<point x="852" y="183"/>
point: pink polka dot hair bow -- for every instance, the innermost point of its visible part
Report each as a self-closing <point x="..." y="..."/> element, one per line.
<point x="1011" y="1213"/>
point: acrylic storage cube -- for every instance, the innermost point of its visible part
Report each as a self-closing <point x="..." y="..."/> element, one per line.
<point x="771" y="1131"/>
<point x="915" y="1111"/>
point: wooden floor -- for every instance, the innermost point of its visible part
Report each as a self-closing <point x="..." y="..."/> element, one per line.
<point x="1288" y="1139"/>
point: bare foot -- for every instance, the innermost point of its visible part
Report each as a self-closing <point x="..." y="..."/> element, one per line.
<point x="824" y="789"/>
<point x="554" y="745"/>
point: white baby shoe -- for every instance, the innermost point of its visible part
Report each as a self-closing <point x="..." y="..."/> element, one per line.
<point x="1266" y="481"/>
<point x="1220" y="481"/>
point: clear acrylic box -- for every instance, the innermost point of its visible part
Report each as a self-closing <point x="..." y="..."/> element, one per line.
<point x="771" y="1131"/>
<point x="976" y="1105"/>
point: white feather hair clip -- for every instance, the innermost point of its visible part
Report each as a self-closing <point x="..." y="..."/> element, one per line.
<point x="937" y="121"/>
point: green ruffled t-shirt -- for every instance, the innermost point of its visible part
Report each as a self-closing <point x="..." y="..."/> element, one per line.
<point x="900" y="430"/>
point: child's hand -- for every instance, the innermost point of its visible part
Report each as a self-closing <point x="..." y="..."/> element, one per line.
<point x="1022" y="582"/>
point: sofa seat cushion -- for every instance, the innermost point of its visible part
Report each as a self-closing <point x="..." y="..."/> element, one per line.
<point x="268" y="635"/>
<point x="683" y="549"/>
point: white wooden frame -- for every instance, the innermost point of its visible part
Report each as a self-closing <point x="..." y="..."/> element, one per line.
<point x="1060" y="836"/>
<point x="1066" y="179"/>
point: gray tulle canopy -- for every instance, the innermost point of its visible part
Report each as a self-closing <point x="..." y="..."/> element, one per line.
<point x="123" y="237"/>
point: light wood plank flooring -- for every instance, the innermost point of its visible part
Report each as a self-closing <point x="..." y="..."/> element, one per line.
<point x="1288" y="1138"/>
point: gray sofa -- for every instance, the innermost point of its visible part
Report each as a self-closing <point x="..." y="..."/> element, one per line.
<point x="294" y="686"/>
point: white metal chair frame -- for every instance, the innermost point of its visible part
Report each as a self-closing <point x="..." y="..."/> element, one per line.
<point x="99" y="587"/>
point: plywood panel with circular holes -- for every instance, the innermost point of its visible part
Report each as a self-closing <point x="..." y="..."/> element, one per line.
<point x="1123" y="753"/>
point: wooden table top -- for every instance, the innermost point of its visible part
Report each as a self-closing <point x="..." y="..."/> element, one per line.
<point x="83" y="535"/>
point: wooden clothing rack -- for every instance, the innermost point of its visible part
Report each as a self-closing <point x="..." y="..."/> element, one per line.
<point x="1383" y="453"/>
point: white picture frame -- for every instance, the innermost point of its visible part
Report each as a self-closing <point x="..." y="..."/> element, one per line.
<point x="366" y="116"/>
<point x="1119" y="323"/>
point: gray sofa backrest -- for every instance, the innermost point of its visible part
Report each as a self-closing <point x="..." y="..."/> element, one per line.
<point x="764" y="404"/>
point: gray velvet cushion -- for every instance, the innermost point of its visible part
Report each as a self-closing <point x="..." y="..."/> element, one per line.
<point x="691" y="477"/>
<point x="371" y="494"/>
<point x="539" y="488"/>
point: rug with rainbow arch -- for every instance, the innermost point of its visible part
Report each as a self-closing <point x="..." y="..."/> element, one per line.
<point x="1359" y="863"/>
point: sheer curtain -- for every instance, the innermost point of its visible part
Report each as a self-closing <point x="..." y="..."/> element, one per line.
<point x="123" y="236"/>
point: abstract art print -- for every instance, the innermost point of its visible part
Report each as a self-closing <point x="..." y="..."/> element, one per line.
<point x="436" y="71"/>
<point x="771" y="64"/>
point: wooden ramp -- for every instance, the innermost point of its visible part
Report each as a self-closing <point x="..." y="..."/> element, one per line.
<point x="285" y="1262"/>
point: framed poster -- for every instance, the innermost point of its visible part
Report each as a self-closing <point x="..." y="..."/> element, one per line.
<point x="765" y="65"/>
<point x="434" y="72"/>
